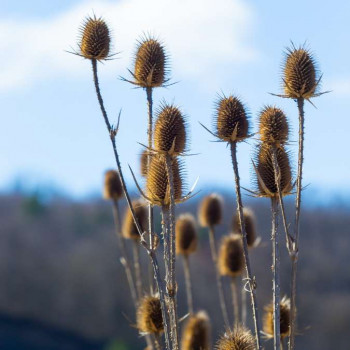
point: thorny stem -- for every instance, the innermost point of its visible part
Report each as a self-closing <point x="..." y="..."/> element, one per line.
<point x="276" y="276"/>
<point x="244" y="306"/>
<point x="250" y="277"/>
<point x="234" y="294"/>
<point x="188" y="283"/>
<point x="214" y="257"/>
<point x="150" y="251"/>
<point x="137" y="269"/>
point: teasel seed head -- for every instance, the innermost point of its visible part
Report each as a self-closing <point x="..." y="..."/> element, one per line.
<point x="95" y="39"/>
<point x="186" y="234"/>
<point x="196" y="334"/>
<point x="149" y="315"/>
<point x="249" y="223"/>
<point x="273" y="126"/>
<point x="300" y="75"/>
<point x="239" y="339"/>
<point x="170" y="130"/>
<point x="144" y="163"/>
<point x="210" y="210"/>
<point x="231" y="119"/>
<point x="129" y="229"/>
<point x="284" y="318"/>
<point x="157" y="184"/>
<point x="231" y="258"/>
<point x="150" y="68"/>
<point x="266" y="183"/>
<point x="112" y="186"/>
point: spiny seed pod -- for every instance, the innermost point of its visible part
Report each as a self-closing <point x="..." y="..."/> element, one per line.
<point x="113" y="186"/>
<point x="231" y="121"/>
<point x="170" y="131"/>
<point x="284" y="318"/>
<point x="265" y="172"/>
<point x="149" y="315"/>
<point x="144" y="163"/>
<point x="157" y="184"/>
<point x="186" y="234"/>
<point x="196" y="334"/>
<point x="249" y="223"/>
<point x="150" y="64"/>
<point x="129" y="230"/>
<point x="231" y="259"/>
<point x="210" y="210"/>
<point x="95" y="39"/>
<point x="273" y="126"/>
<point x="300" y="74"/>
<point x="239" y="339"/>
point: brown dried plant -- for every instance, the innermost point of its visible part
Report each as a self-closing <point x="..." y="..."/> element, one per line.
<point x="239" y="339"/>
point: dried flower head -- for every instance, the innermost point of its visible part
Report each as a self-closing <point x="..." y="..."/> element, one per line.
<point x="150" y="68"/>
<point x="265" y="172"/>
<point x="231" y="258"/>
<point x="210" y="210"/>
<point x="284" y="318"/>
<point x="231" y="120"/>
<point x="95" y="39"/>
<point x="170" y="130"/>
<point x="144" y="163"/>
<point x="112" y="186"/>
<point x="129" y="230"/>
<point x="149" y="315"/>
<point x="186" y="234"/>
<point x="196" y="334"/>
<point x="239" y="339"/>
<point x="249" y="223"/>
<point x="273" y="126"/>
<point x="157" y="185"/>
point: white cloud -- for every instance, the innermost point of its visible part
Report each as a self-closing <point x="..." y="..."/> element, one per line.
<point x="199" y="34"/>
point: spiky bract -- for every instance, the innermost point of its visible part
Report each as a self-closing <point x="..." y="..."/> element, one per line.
<point x="231" y="258"/>
<point x="149" y="315"/>
<point x="186" y="234"/>
<point x="239" y="339"/>
<point x="112" y="185"/>
<point x="196" y="334"/>
<point x="144" y="163"/>
<point x="129" y="228"/>
<point x="231" y="119"/>
<point x="210" y="210"/>
<point x="249" y="224"/>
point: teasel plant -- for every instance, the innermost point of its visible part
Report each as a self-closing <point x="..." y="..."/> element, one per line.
<point x="210" y="214"/>
<point x="240" y="338"/>
<point x="231" y="125"/>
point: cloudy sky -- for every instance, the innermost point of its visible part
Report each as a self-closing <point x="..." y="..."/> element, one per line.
<point x="52" y="133"/>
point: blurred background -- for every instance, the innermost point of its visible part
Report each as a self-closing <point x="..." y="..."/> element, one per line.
<point x="62" y="283"/>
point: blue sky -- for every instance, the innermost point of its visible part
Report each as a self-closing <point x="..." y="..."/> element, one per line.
<point x="52" y="132"/>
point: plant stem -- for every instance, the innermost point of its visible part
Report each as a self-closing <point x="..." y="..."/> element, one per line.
<point x="234" y="300"/>
<point x="188" y="283"/>
<point x="137" y="268"/>
<point x="214" y="257"/>
<point x="244" y="306"/>
<point x="250" y="277"/>
<point x="150" y="251"/>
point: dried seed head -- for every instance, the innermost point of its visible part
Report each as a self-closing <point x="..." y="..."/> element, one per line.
<point x="239" y="339"/>
<point x="250" y="225"/>
<point x="170" y="130"/>
<point x="231" y="120"/>
<point x="144" y="163"/>
<point x="273" y="126"/>
<point x="129" y="230"/>
<point x="95" y="39"/>
<point x="300" y="74"/>
<point x="284" y="318"/>
<point x="157" y="186"/>
<point x="266" y="177"/>
<point x="186" y="234"/>
<point x="196" y="334"/>
<point x="231" y="259"/>
<point x="113" y="186"/>
<point x="210" y="210"/>
<point x="150" y="64"/>
<point x="149" y="315"/>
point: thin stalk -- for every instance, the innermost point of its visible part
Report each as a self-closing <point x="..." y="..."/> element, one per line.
<point x="214" y="257"/>
<point x="244" y="306"/>
<point x="250" y="277"/>
<point x="137" y="269"/>
<point x="151" y="254"/>
<point x="294" y="256"/>
<point x="276" y="276"/>
<point x="188" y="283"/>
<point x="234" y="293"/>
